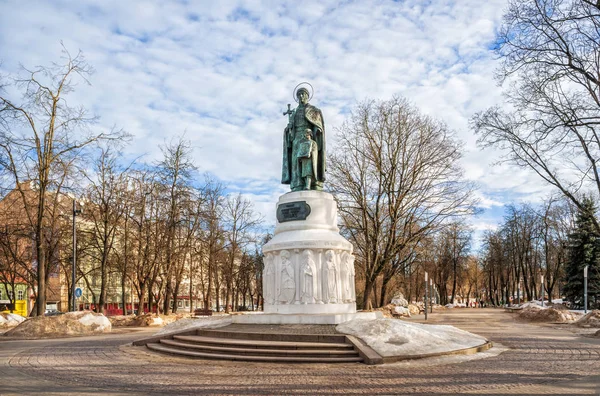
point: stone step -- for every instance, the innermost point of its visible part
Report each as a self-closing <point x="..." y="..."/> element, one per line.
<point x="264" y="344"/>
<point x="260" y="351"/>
<point x="249" y="335"/>
<point x="273" y="359"/>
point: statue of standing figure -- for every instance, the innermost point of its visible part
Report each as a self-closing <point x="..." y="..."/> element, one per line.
<point x="304" y="146"/>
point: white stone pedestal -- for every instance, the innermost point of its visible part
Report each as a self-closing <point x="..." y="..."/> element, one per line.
<point x="309" y="267"/>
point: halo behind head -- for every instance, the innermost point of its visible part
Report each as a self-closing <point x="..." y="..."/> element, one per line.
<point x="303" y="86"/>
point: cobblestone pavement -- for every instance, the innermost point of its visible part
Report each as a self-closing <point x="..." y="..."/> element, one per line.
<point x="536" y="360"/>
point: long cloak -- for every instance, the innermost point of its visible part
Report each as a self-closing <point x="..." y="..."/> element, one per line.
<point x="315" y="118"/>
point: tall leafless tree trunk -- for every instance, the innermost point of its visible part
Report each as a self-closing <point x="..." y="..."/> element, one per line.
<point x="39" y="133"/>
<point x="396" y="176"/>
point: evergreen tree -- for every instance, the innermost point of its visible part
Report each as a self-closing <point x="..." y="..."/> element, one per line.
<point x="584" y="249"/>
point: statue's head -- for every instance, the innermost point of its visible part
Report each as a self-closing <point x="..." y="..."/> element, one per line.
<point x="302" y="95"/>
<point x="329" y="255"/>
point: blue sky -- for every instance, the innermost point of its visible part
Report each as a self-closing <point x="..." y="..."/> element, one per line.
<point x="222" y="72"/>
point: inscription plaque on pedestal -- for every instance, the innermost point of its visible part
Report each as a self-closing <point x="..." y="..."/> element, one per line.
<point x="292" y="211"/>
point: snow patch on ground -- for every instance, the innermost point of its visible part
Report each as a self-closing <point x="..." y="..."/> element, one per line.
<point x="70" y="324"/>
<point x="449" y="359"/>
<point x="399" y="300"/>
<point x="592" y="319"/>
<point x="10" y="319"/>
<point x="393" y="337"/>
<point x="402" y="311"/>
<point x="148" y="319"/>
<point x="548" y="314"/>
<point x="208" y="322"/>
<point x="533" y="304"/>
<point x="98" y="322"/>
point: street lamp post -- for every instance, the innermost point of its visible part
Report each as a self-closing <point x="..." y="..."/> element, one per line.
<point x="426" y="285"/>
<point x="542" y="287"/>
<point x="430" y="295"/>
<point x="585" y="277"/>
<point x="74" y="273"/>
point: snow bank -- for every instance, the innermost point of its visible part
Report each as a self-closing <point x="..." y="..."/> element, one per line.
<point x="548" y="314"/>
<point x="207" y="322"/>
<point x="400" y="301"/>
<point x="533" y="304"/>
<point x="591" y="319"/>
<point x="449" y="305"/>
<point x="145" y="319"/>
<point x="392" y="337"/>
<point x="69" y="324"/>
<point x="414" y="309"/>
<point x="98" y="322"/>
<point x="10" y="319"/>
<point x="402" y="311"/>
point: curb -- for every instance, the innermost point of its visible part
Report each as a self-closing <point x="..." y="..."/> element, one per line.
<point x="466" y="351"/>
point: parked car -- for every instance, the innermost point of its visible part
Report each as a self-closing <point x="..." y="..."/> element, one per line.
<point x="52" y="312"/>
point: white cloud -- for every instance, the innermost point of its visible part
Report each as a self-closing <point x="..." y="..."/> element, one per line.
<point x="224" y="71"/>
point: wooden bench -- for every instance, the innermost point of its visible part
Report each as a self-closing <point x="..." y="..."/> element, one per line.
<point x="202" y="312"/>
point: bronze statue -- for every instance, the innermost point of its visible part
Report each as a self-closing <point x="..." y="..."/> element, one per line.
<point x="304" y="146"/>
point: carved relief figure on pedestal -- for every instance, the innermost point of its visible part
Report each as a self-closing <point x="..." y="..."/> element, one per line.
<point x="288" y="285"/>
<point x="269" y="282"/>
<point x="345" y="272"/>
<point x="332" y="275"/>
<point x="351" y="278"/>
<point x="307" y="277"/>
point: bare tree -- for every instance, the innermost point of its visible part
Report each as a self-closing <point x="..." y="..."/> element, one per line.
<point x="396" y="177"/>
<point x="40" y="133"/>
<point x="213" y="193"/>
<point x="105" y="194"/>
<point x="240" y="221"/>
<point x="457" y="240"/>
<point x="551" y="66"/>
<point x="175" y="172"/>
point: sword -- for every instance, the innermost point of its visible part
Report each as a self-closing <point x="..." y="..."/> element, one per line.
<point x="289" y="114"/>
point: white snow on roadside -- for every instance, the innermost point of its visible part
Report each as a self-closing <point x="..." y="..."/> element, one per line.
<point x="210" y="322"/>
<point x="402" y="311"/>
<point x="449" y="359"/>
<point x="10" y="319"/>
<point x="394" y="337"/>
<point x="533" y="304"/>
<point x="90" y="319"/>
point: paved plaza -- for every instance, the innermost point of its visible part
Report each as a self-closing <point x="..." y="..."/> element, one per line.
<point x="526" y="359"/>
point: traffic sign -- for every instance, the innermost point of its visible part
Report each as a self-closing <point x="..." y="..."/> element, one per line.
<point x="78" y="292"/>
